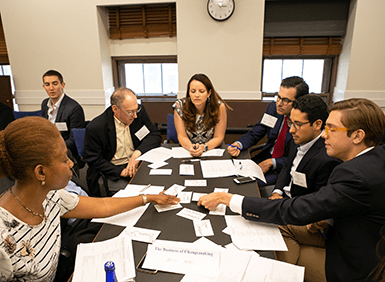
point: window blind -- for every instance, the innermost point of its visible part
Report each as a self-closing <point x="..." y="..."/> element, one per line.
<point x="142" y="21"/>
<point x="299" y="46"/>
<point x="3" y="47"/>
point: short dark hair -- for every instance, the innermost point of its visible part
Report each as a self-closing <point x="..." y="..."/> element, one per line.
<point x="314" y="107"/>
<point x="296" y="82"/>
<point x="362" y="114"/>
<point x="53" y="73"/>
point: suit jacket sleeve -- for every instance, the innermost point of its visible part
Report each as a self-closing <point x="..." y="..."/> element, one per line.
<point x="152" y="139"/>
<point x="75" y="120"/>
<point x="94" y="143"/>
<point x="258" y="131"/>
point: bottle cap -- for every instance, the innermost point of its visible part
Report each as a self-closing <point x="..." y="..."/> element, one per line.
<point x="109" y="266"/>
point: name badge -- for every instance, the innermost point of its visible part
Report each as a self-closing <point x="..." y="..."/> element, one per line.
<point x="269" y="120"/>
<point x="299" y="179"/>
<point x="141" y="133"/>
<point x="62" y="126"/>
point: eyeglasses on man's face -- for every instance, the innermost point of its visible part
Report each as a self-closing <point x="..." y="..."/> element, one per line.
<point x="285" y="101"/>
<point x="132" y="113"/>
<point x="297" y="125"/>
<point x="328" y="129"/>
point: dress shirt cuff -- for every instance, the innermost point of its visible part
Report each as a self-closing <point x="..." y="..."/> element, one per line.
<point x="278" y="191"/>
<point x="274" y="163"/>
<point x="236" y="203"/>
<point x="239" y="144"/>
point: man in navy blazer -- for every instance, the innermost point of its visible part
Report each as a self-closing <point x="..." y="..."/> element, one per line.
<point x="270" y="124"/>
<point x="353" y="197"/>
<point x="60" y="109"/>
<point x="115" y="139"/>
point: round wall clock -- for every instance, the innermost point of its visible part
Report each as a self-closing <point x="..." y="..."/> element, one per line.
<point x="220" y="10"/>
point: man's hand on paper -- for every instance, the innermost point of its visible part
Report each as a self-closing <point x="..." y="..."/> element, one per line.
<point x="162" y="199"/>
<point x="211" y="201"/>
<point x="266" y="165"/>
<point x="275" y="196"/>
<point x="132" y="166"/>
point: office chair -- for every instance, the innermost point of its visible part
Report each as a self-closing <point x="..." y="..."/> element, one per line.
<point x="79" y="139"/>
<point x="171" y="131"/>
<point x="26" y="114"/>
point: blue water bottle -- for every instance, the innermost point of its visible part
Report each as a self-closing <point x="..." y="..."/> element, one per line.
<point x="109" y="267"/>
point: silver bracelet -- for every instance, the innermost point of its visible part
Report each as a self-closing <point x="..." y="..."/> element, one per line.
<point x="144" y="198"/>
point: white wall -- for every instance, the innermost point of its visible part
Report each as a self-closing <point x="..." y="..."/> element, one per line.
<point x="361" y="70"/>
<point x="71" y="36"/>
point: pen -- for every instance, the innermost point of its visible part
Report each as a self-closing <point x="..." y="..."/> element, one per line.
<point x="195" y="147"/>
<point x="235" y="147"/>
<point x="145" y="188"/>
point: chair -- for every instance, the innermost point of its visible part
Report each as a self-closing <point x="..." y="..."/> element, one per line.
<point x="79" y="139"/>
<point x="171" y="131"/>
<point x="26" y="114"/>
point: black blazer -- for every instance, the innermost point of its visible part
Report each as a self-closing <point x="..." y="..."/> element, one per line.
<point x="6" y="116"/>
<point x="72" y="114"/>
<point x="315" y="164"/>
<point x="354" y="197"/>
<point x="100" y="145"/>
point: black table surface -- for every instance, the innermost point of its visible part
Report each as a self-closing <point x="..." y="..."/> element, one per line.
<point x="176" y="228"/>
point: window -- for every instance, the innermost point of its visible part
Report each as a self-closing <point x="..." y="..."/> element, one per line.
<point x="311" y="70"/>
<point x="6" y="70"/>
<point x="148" y="76"/>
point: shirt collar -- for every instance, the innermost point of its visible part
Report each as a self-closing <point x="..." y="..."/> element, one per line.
<point x="365" y="151"/>
<point x="57" y="104"/>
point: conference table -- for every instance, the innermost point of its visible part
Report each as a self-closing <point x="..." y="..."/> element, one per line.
<point x="176" y="228"/>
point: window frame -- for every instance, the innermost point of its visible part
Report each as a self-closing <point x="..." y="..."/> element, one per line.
<point x="329" y="74"/>
<point x="119" y="72"/>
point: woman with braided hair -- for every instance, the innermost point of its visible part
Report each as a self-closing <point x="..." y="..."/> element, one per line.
<point x="33" y="152"/>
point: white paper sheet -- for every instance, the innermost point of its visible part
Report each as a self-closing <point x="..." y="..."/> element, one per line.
<point x="157" y="165"/>
<point x="180" y="153"/>
<point x="269" y="270"/>
<point x="156" y="155"/>
<point x="91" y="257"/>
<point x="214" y="153"/>
<point x="185" y="197"/>
<point x="203" y="228"/>
<point x="217" y="168"/>
<point x="249" y="168"/>
<point x="251" y="235"/>
<point x="184" y="258"/>
<point x="130" y="218"/>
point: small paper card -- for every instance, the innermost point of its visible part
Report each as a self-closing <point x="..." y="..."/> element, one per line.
<point x="160" y="208"/>
<point x="157" y="165"/>
<point x="191" y="214"/>
<point x="185" y="197"/>
<point x="196" y="196"/>
<point x="174" y="189"/>
<point x="142" y="234"/>
<point x="203" y="228"/>
<point x="141" y="133"/>
<point x="160" y="171"/>
<point x="186" y="169"/>
<point x="269" y="120"/>
<point x="195" y="182"/>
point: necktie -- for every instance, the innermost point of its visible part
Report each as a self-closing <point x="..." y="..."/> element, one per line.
<point x="279" y="147"/>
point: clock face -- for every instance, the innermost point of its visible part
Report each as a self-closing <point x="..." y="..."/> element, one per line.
<point x="220" y="10"/>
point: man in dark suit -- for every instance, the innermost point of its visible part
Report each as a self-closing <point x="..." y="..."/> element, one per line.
<point x="272" y="158"/>
<point x="306" y="170"/>
<point x="115" y="139"/>
<point x="61" y="110"/>
<point x="353" y="197"/>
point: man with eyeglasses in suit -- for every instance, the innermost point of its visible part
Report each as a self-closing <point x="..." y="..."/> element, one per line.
<point x="306" y="170"/>
<point x="273" y="155"/>
<point x="353" y="196"/>
<point x="115" y="139"/>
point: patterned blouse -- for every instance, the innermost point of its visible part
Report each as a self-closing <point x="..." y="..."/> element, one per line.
<point x="199" y="135"/>
<point x="31" y="252"/>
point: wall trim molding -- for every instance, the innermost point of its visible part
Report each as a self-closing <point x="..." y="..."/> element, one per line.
<point x="83" y="97"/>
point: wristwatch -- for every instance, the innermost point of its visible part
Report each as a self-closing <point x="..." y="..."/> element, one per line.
<point x="206" y="148"/>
